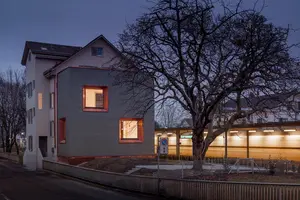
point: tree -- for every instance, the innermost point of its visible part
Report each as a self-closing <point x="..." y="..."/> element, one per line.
<point x="169" y="114"/>
<point x="202" y="53"/>
<point x="12" y="107"/>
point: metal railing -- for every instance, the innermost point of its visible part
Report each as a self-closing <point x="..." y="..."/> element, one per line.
<point x="185" y="189"/>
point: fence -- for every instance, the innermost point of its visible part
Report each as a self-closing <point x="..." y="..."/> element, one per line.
<point x="185" y="189"/>
<point x="281" y="165"/>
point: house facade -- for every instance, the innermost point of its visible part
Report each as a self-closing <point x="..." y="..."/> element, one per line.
<point x="73" y="108"/>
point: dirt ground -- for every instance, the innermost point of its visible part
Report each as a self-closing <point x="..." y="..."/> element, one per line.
<point x="242" y="177"/>
<point x="120" y="165"/>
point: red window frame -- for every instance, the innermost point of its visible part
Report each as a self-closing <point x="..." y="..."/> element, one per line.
<point x="105" y="99"/>
<point x="62" y="130"/>
<point x="140" y="138"/>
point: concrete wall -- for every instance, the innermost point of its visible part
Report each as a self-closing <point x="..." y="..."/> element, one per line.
<point x="97" y="133"/>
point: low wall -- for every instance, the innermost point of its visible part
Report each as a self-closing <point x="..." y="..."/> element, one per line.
<point x="186" y="189"/>
<point x="10" y="156"/>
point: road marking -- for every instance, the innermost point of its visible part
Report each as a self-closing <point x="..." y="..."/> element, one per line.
<point x="5" y="197"/>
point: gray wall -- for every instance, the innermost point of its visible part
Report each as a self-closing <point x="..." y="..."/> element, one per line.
<point x="97" y="133"/>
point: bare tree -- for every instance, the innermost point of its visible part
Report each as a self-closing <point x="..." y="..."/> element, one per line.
<point x="169" y="114"/>
<point x="12" y="107"/>
<point x="202" y="53"/>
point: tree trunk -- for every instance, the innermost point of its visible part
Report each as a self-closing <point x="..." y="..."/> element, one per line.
<point x="198" y="143"/>
<point x="2" y="138"/>
<point x="17" y="148"/>
<point x="7" y="144"/>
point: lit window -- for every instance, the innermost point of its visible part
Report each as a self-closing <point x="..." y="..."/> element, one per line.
<point x="131" y="131"/>
<point x="95" y="98"/>
<point x="62" y="130"/>
<point x="40" y="101"/>
<point x="52" y="100"/>
<point x="97" y="51"/>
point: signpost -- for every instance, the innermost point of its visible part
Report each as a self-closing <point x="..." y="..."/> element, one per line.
<point x="163" y="147"/>
<point x="161" y="150"/>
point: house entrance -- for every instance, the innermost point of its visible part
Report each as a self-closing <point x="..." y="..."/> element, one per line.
<point x="43" y="145"/>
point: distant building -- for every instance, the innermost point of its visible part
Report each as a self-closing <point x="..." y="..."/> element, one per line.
<point x="73" y="108"/>
<point x="288" y="112"/>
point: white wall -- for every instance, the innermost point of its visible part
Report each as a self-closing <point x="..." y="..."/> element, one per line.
<point x="85" y="58"/>
<point x="45" y="114"/>
<point x="41" y="121"/>
<point x="30" y="156"/>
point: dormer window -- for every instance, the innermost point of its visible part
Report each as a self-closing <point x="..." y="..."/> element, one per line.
<point x="97" y="51"/>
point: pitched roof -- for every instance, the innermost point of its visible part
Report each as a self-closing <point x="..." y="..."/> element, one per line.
<point x="48" y="49"/>
<point x="48" y="72"/>
<point x="265" y="101"/>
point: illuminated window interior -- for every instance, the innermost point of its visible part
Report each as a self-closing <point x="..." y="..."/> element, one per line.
<point x="95" y="98"/>
<point x="40" y="101"/>
<point x="131" y="130"/>
<point x="62" y="130"/>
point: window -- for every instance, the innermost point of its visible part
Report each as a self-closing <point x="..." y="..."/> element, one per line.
<point x="30" y="116"/>
<point x="97" y="51"/>
<point x="95" y="98"/>
<point x="52" y="100"/>
<point x="131" y="131"/>
<point x="33" y="112"/>
<point x="30" y="143"/>
<point x="283" y="119"/>
<point x="29" y="56"/>
<point x="259" y="120"/>
<point x="40" y="101"/>
<point x="29" y="89"/>
<point x="62" y="130"/>
<point x="33" y="84"/>
<point x="51" y="128"/>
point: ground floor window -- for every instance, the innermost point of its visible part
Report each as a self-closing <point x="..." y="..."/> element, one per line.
<point x="131" y="130"/>
<point x="62" y="130"/>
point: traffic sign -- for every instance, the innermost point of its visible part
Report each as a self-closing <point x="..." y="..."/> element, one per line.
<point x="163" y="147"/>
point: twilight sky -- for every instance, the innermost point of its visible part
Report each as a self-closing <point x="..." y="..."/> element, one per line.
<point x="76" y="22"/>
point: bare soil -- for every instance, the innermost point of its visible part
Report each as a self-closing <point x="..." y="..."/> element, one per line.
<point x="120" y="165"/>
<point x="242" y="177"/>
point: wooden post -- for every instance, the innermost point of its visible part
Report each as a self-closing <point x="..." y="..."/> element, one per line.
<point x="248" y="144"/>
<point x="226" y="148"/>
<point x="177" y="143"/>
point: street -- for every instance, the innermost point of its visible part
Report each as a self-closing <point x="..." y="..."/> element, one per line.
<point x="17" y="183"/>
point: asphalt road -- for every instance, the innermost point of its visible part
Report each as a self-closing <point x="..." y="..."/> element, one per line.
<point x="17" y="183"/>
